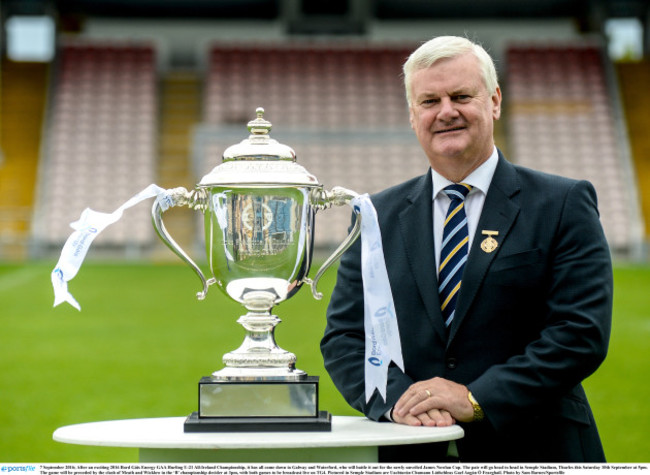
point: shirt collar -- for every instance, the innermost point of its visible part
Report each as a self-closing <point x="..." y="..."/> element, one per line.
<point x="480" y="178"/>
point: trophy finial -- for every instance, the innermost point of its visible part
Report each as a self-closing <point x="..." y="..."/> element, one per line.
<point x="259" y="126"/>
<point x="258" y="146"/>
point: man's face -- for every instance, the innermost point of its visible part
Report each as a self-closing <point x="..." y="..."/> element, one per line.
<point x="452" y="115"/>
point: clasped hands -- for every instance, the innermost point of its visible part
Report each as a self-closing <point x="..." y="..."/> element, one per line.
<point x="434" y="402"/>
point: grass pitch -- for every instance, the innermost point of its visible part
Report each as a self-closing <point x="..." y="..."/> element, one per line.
<point x="142" y="341"/>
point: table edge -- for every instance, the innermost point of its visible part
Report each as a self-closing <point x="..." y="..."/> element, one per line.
<point x="318" y="439"/>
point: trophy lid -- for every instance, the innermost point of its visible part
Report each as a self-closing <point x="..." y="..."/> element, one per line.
<point x="259" y="160"/>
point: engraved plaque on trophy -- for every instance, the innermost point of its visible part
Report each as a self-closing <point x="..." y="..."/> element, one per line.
<point x="259" y="210"/>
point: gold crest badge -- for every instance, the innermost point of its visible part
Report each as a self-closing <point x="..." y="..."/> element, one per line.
<point x="489" y="244"/>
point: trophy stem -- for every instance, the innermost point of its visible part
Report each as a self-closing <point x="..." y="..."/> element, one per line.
<point x="259" y="357"/>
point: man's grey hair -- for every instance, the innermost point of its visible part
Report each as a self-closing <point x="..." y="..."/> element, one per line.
<point x="449" y="47"/>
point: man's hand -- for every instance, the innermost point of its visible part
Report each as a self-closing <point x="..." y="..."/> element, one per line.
<point x="432" y="418"/>
<point x="434" y="402"/>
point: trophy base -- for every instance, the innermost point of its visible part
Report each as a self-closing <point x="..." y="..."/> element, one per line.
<point x="322" y="423"/>
<point x="258" y="405"/>
<point x="285" y="373"/>
<point x="267" y="398"/>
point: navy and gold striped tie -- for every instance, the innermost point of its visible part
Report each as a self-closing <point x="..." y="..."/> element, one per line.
<point x="454" y="249"/>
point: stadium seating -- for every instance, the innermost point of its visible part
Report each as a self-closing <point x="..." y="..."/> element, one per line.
<point x="562" y="119"/>
<point x="100" y="140"/>
<point x="313" y="86"/>
<point x="340" y="105"/>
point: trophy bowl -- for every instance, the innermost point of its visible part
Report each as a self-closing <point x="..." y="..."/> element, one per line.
<point x="259" y="210"/>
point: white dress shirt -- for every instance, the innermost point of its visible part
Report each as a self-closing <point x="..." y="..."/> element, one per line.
<point x="480" y="180"/>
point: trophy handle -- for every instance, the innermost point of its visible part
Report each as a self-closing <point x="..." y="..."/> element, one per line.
<point x="179" y="197"/>
<point x="338" y="196"/>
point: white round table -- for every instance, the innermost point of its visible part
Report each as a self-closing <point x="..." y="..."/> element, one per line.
<point x="352" y="439"/>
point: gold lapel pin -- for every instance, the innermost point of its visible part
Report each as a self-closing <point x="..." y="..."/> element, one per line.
<point x="489" y="244"/>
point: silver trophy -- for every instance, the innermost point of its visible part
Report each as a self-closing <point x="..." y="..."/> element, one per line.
<point x="259" y="207"/>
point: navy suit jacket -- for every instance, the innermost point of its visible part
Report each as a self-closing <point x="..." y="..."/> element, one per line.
<point x="532" y="320"/>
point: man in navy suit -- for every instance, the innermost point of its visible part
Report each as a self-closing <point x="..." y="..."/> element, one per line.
<point x="533" y="313"/>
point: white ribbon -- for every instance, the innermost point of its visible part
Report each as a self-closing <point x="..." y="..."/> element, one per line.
<point x="380" y="323"/>
<point x="87" y="228"/>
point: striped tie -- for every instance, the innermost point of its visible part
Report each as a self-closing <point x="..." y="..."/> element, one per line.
<point x="453" y="253"/>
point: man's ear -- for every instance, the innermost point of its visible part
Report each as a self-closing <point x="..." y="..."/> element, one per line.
<point x="496" y="104"/>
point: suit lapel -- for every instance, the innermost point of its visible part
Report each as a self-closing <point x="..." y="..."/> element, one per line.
<point x="499" y="213"/>
<point x="417" y="215"/>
